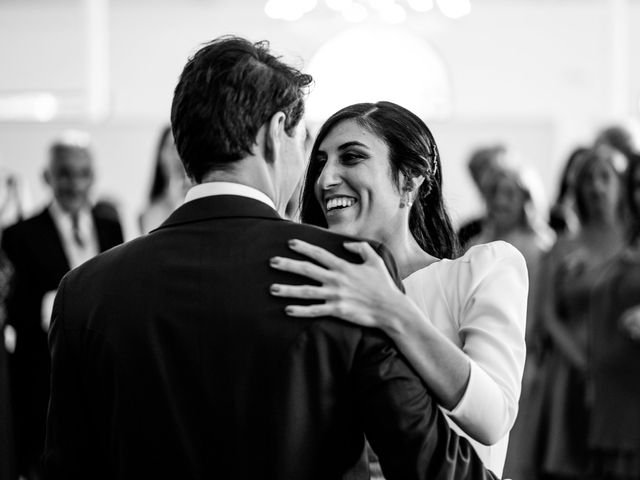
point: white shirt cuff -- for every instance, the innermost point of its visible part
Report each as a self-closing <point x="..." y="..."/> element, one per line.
<point x="481" y="400"/>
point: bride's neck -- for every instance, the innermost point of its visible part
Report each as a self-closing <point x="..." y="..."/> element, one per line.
<point x="407" y="253"/>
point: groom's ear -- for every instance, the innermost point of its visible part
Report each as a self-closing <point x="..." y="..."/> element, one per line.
<point x="273" y="136"/>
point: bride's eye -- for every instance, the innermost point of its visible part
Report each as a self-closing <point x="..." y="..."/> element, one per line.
<point x="320" y="160"/>
<point x="350" y="158"/>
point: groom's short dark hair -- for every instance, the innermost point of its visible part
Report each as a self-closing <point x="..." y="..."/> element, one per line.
<point x="226" y="92"/>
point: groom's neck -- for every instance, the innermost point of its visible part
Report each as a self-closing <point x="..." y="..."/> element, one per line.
<point x="251" y="171"/>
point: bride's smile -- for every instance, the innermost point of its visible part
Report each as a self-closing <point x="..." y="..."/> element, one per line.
<point x="355" y="187"/>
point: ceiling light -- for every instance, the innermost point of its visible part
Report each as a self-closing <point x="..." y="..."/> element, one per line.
<point x="355" y="12"/>
<point x="338" y="5"/>
<point x="421" y="5"/>
<point x="393" y="13"/>
<point x="454" y="8"/>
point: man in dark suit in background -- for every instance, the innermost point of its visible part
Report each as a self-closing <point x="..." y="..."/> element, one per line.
<point x="42" y="249"/>
<point x="170" y="359"/>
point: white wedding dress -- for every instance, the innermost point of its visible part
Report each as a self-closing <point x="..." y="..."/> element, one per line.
<point x="479" y="302"/>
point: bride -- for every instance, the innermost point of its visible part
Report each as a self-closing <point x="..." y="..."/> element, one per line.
<point x="375" y="173"/>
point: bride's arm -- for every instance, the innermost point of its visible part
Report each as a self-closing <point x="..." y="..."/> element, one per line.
<point x="365" y="294"/>
<point x="439" y="362"/>
<point x="488" y="301"/>
<point x="491" y="311"/>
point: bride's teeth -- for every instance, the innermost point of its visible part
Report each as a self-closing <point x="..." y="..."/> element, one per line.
<point x="340" y="202"/>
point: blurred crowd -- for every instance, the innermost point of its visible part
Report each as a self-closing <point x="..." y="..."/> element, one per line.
<point x="579" y="408"/>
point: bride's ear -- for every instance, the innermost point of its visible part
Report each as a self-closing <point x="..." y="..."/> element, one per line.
<point x="411" y="184"/>
<point x="415" y="182"/>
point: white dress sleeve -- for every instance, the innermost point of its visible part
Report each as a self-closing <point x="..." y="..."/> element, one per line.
<point x="490" y="303"/>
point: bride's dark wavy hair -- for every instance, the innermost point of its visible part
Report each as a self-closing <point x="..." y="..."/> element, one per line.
<point x="412" y="152"/>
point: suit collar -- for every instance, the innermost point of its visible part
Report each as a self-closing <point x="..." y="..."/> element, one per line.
<point x="219" y="206"/>
<point x="50" y="235"/>
<point x="227" y="188"/>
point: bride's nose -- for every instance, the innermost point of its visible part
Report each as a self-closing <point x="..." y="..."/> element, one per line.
<point x="330" y="175"/>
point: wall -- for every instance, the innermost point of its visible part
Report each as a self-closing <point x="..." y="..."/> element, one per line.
<point x="536" y="74"/>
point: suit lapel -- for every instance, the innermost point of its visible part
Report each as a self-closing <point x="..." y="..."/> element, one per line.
<point x="220" y="206"/>
<point x="106" y="231"/>
<point x="101" y="233"/>
<point x="51" y="236"/>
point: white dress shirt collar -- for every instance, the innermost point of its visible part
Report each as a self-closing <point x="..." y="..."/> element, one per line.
<point x="60" y="214"/>
<point x="76" y="254"/>
<point x="209" y="189"/>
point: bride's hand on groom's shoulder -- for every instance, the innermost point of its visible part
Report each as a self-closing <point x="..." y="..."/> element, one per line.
<point x="359" y="293"/>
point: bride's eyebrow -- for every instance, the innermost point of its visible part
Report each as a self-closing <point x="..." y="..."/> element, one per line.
<point x="354" y="143"/>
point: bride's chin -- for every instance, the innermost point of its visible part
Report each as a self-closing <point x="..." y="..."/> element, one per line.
<point x="341" y="228"/>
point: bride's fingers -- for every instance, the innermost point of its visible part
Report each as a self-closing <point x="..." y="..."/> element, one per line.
<point x="306" y="269"/>
<point x="319" y="254"/>
<point x="363" y="249"/>
<point x="300" y="291"/>
<point x="311" y="311"/>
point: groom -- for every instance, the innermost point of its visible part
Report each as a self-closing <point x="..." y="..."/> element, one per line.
<point x="170" y="359"/>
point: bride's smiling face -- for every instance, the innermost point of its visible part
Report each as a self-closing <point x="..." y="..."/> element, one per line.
<point x="355" y="187"/>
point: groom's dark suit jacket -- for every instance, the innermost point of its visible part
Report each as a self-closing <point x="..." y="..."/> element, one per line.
<point x="170" y="359"/>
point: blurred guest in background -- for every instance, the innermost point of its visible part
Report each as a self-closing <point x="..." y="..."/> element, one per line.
<point x="620" y="137"/>
<point x="12" y="198"/>
<point x="42" y="249"/>
<point x="614" y="360"/>
<point x="11" y="210"/>
<point x="169" y="185"/>
<point x="563" y="218"/>
<point x="107" y="207"/>
<point x="7" y="453"/>
<point x="516" y="215"/>
<point x="567" y="276"/>
<point x="482" y="166"/>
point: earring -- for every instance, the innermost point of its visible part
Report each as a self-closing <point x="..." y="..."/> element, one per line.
<point x="405" y="199"/>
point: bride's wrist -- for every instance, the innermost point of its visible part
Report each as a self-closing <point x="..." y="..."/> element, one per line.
<point x="392" y="314"/>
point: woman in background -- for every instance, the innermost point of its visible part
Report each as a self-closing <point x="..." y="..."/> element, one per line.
<point x="375" y="173"/>
<point x="169" y="185"/>
<point x="516" y="215"/>
<point x="614" y="355"/>
<point x="483" y="164"/>
<point x="568" y="275"/>
<point x="563" y="218"/>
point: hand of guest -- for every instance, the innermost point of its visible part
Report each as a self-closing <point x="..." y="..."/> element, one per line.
<point x="9" y="336"/>
<point x="46" y="309"/>
<point x="630" y="322"/>
<point x="364" y="294"/>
